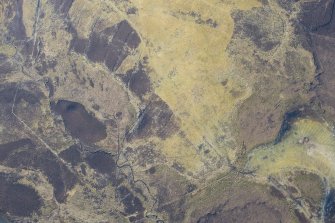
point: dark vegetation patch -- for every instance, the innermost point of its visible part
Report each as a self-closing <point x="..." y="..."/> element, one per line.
<point x="258" y="124"/>
<point x="62" y="6"/>
<point x="57" y="173"/>
<point x="81" y="124"/>
<point x="28" y="49"/>
<point x="6" y="67"/>
<point x="72" y="155"/>
<point x="318" y="15"/>
<point x="8" y="148"/>
<point x="98" y="48"/>
<point x="287" y="4"/>
<point x="137" y="80"/>
<point x="15" y="34"/>
<point x="103" y="163"/>
<point x="307" y="188"/>
<point x="7" y="93"/>
<point x="324" y="50"/>
<point x="14" y="22"/>
<point x="295" y="66"/>
<point x="191" y="187"/>
<point x="110" y="46"/>
<point x="261" y="26"/>
<point x="276" y="193"/>
<point x="24" y="154"/>
<point x="171" y="190"/>
<point x="132" y="204"/>
<point x="311" y="187"/>
<point x="155" y="120"/>
<point x="151" y="170"/>
<point x="126" y="35"/>
<point x="251" y="212"/>
<point x="49" y="85"/>
<point x="44" y="64"/>
<point x="106" y="164"/>
<point x="146" y="155"/>
<point x="301" y="217"/>
<point x="177" y="166"/>
<point x="270" y="122"/>
<point x="28" y="96"/>
<point x="3" y="57"/>
<point x="264" y="117"/>
<point x="132" y="11"/>
<point x="80" y="45"/>
<point x="234" y="201"/>
<point x="17" y="199"/>
<point x="198" y="18"/>
<point x="83" y="169"/>
<point x="176" y="210"/>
